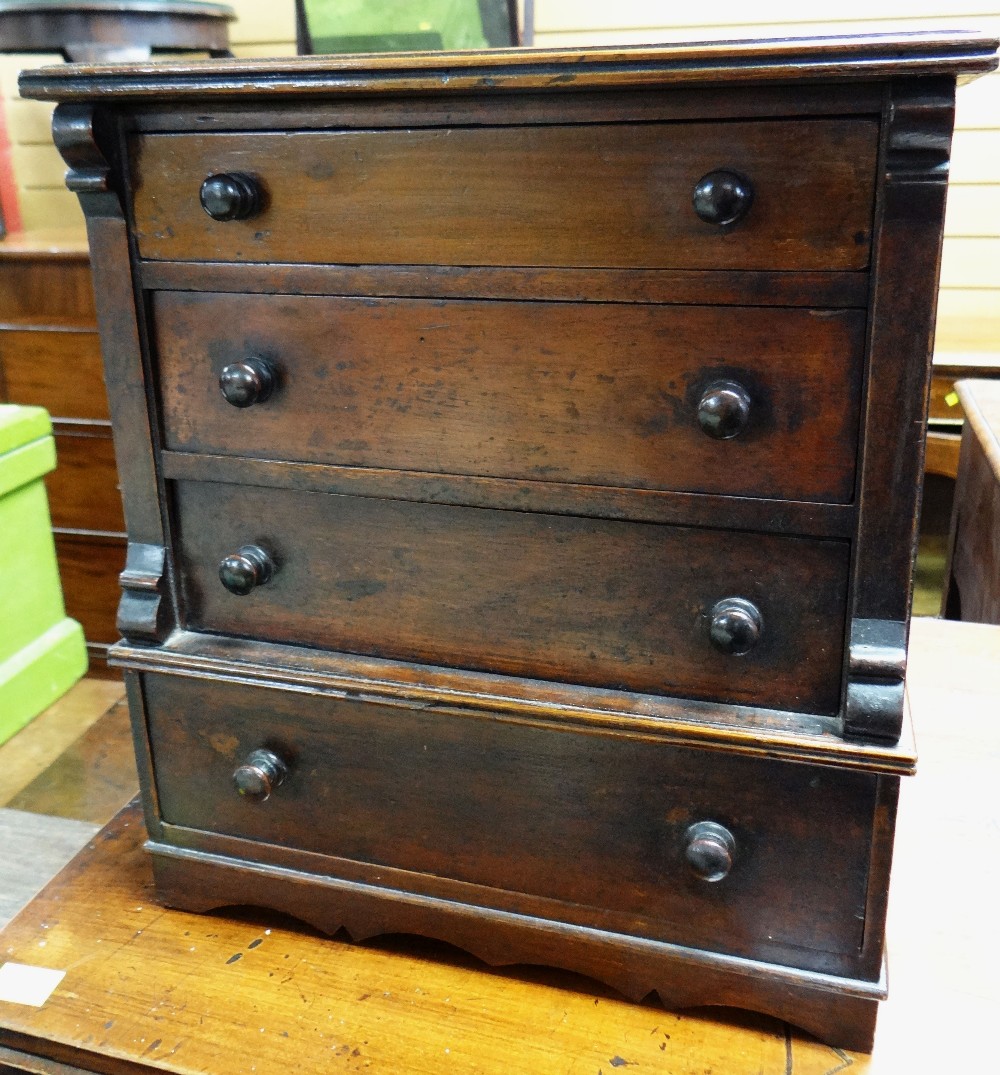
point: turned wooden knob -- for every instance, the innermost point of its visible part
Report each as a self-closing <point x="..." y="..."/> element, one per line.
<point x="722" y="197"/>
<point x="724" y="410"/>
<point x="709" y="850"/>
<point x="230" y="196"/>
<point x="248" y="382"/>
<point x="736" y="626"/>
<point x="259" y="775"/>
<point x="246" y="569"/>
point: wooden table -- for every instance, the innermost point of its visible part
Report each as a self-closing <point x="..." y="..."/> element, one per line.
<point x="148" y="989"/>
<point x="108" y="31"/>
<point x="972" y="578"/>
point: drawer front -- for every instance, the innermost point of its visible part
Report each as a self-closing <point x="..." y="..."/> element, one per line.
<point x="89" y="566"/>
<point x="590" y="601"/>
<point x="591" y="195"/>
<point x="594" y="821"/>
<point x="47" y="289"/>
<point x="60" y="371"/>
<point x="598" y="394"/>
<point x="83" y="489"/>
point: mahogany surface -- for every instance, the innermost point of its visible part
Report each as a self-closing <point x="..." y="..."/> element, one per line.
<point x="558" y="625"/>
<point x="593" y="195"/>
<point x="608" y="603"/>
<point x="522" y="390"/>
<point x="972" y="577"/>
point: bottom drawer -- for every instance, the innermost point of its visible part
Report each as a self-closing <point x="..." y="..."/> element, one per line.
<point x="590" y="828"/>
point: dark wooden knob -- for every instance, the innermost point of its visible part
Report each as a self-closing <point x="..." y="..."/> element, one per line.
<point x="736" y="626"/>
<point x="248" y="382"/>
<point x="722" y="197"/>
<point x="230" y="196"/>
<point x="245" y="570"/>
<point x="709" y="850"/>
<point x="259" y="775"/>
<point x="724" y="409"/>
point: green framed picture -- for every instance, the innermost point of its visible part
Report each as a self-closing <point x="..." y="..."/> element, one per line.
<point x="330" y="26"/>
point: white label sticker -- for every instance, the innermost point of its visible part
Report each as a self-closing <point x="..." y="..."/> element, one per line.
<point x="21" y="984"/>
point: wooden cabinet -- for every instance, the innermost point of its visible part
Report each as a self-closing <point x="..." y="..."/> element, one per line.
<point x="50" y="356"/>
<point x="521" y="456"/>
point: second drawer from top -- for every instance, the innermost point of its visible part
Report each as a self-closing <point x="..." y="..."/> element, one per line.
<point x="724" y="400"/>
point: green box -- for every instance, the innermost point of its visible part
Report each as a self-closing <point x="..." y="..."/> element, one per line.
<point x="42" y="651"/>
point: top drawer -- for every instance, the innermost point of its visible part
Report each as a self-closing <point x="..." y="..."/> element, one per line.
<point x="591" y="195"/>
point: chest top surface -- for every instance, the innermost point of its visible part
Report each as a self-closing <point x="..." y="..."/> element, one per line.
<point x="959" y="53"/>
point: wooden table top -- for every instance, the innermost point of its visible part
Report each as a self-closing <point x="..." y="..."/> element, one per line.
<point x="149" y="989"/>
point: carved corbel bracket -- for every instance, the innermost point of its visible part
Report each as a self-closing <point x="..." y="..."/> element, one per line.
<point x="142" y="611"/>
<point x="74" y="130"/>
<point x="919" y="146"/>
<point x="876" y="671"/>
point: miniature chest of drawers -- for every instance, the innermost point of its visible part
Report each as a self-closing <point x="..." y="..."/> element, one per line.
<point x="521" y="454"/>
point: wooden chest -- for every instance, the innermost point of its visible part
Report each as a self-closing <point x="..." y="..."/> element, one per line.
<point x="521" y="456"/>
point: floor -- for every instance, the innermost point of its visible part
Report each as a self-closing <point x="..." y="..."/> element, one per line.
<point x="61" y="779"/>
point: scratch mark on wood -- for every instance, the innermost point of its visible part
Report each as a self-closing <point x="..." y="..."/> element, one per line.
<point x="845" y="1062"/>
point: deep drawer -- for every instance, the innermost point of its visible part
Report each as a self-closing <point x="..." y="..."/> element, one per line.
<point x="591" y="821"/>
<point x="83" y="489"/>
<point x="591" y="601"/>
<point x="590" y="195"/>
<point x="595" y="394"/>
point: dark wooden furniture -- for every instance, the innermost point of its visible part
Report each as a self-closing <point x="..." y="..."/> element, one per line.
<point x="108" y="31"/>
<point x="520" y="548"/>
<point x="972" y="577"/>
<point x="50" y="356"/>
<point x="153" y="990"/>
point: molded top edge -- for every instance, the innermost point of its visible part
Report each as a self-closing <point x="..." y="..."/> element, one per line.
<point x="957" y="53"/>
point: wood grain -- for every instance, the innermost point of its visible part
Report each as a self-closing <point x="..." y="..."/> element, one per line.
<point x="34" y="849"/>
<point x="586" y="394"/>
<point x="92" y="779"/>
<point x="387" y="777"/>
<point x="58" y="370"/>
<point x="677" y="287"/>
<point x="579" y="600"/>
<point x="750" y="731"/>
<point x="83" y="489"/>
<point x="607" y="194"/>
<point x="942" y="453"/>
<point x="802" y="518"/>
<point x="646" y="105"/>
<point x="39" y="744"/>
<point x="805" y="59"/>
<point x="909" y="216"/>
<point x="972" y="576"/>
<point x="89" y="565"/>
<point x="47" y="290"/>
